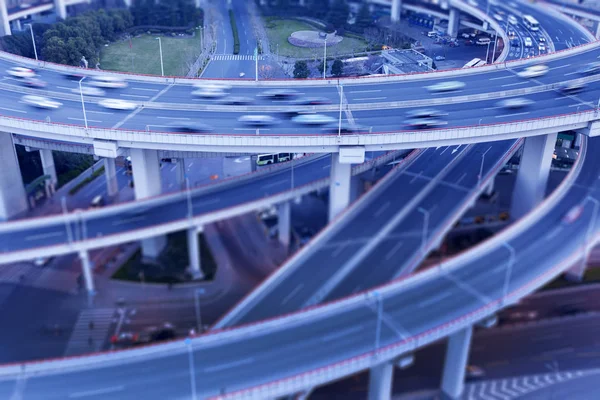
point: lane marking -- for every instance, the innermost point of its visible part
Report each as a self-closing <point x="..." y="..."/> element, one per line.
<point x="292" y="293"/>
<point x="433" y="300"/>
<point x="100" y="112"/>
<point x="175" y="118"/>
<point x="382" y="209"/>
<point x="370" y="98"/>
<point x="128" y="220"/>
<point x="145" y="90"/>
<point x="342" y="333"/>
<point x="230" y="365"/>
<point x="44" y="235"/>
<point x="134" y="95"/>
<point x="501" y="77"/>
<point x="13" y="110"/>
<point x="365" y="91"/>
<point x="112" y="389"/>
<point x="393" y="251"/>
<point x="515" y="84"/>
<point x="81" y="119"/>
<point x="512" y="115"/>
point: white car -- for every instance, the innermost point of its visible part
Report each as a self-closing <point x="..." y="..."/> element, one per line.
<point x="533" y="71"/>
<point x="425" y="123"/>
<point x="573" y="214"/>
<point x="212" y="86"/>
<point x="541" y="47"/>
<point x="209" y="93"/>
<point x="117" y="104"/>
<point x="528" y="42"/>
<point x="498" y="17"/>
<point x="89" y="91"/>
<point x="313" y="119"/>
<point x="21" y="72"/>
<point x="279" y="94"/>
<point x="41" y="102"/>
<point x="109" y="82"/>
<point x="446" y="86"/>
<point x="257" y="120"/>
<point x="41" y="261"/>
<point x="516" y="102"/>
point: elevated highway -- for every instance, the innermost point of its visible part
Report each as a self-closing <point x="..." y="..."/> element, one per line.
<point x="324" y="338"/>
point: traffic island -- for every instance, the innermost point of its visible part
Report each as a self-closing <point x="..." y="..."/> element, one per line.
<point x="171" y="267"/>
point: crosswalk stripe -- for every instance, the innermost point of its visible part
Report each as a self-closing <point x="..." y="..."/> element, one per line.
<point x="79" y="340"/>
<point x="235" y="57"/>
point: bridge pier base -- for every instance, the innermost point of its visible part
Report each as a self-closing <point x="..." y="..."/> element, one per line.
<point x="147" y="183"/>
<point x="380" y="381"/>
<point x="532" y="178"/>
<point x="13" y="200"/>
<point x="4" y="23"/>
<point x="453" y="21"/>
<point x="110" y="170"/>
<point x="284" y="223"/>
<point x="86" y="267"/>
<point x="194" y="252"/>
<point x="49" y="169"/>
<point x="396" y="10"/>
<point x="339" y="186"/>
<point x="457" y="354"/>
<point x="60" y="8"/>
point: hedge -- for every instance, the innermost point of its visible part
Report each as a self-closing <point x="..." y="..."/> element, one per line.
<point x="87" y="180"/>
<point x="236" y="37"/>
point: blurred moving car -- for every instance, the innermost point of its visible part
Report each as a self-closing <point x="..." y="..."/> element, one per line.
<point x="117" y="104"/>
<point x="516" y="102"/>
<point x="425" y="113"/>
<point x="41" y="102"/>
<point x="572" y="87"/>
<point x="72" y="76"/>
<point x="212" y="93"/>
<point x="573" y="214"/>
<point x="149" y="335"/>
<point x="345" y="127"/>
<point x="258" y="120"/>
<point x="42" y="261"/>
<point x="223" y="87"/>
<point x="446" y="86"/>
<point x="190" y="127"/>
<point x="109" y="82"/>
<point x="311" y="101"/>
<point x="34" y="83"/>
<point x="279" y="94"/>
<point x="89" y="91"/>
<point x="20" y="72"/>
<point x="474" y="372"/>
<point x="425" y="123"/>
<point x="237" y="100"/>
<point x="590" y="69"/>
<point x="533" y="71"/>
<point x="313" y="119"/>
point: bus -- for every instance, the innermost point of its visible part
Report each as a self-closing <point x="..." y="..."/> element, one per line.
<point x="531" y="23"/>
<point x="476" y="62"/>
<point x="266" y="159"/>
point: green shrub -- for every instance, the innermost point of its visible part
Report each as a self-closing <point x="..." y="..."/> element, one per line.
<point x="236" y="37"/>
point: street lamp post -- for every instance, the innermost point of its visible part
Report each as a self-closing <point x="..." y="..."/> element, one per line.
<point x="487" y="53"/>
<point x="509" y="267"/>
<point x="425" y="227"/>
<point x="188" y="343"/>
<point x="197" y="294"/>
<point x="82" y="102"/>
<point x="33" y="41"/>
<point x="162" y="67"/>
<point x="340" y="118"/>
<point x="325" y="56"/>
<point x="481" y="167"/>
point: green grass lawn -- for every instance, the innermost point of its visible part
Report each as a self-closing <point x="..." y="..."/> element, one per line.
<point x="146" y="59"/>
<point x="278" y="31"/>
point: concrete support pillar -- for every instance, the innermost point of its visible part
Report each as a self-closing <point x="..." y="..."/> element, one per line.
<point x="181" y="175"/>
<point x="284" y="222"/>
<point x="146" y="179"/>
<point x="532" y="178"/>
<point x="339" y="186"/>
<point x="357" y="188"/>
<point x="86" y="267"/>
<point x="17" y="25"/>
<point x="489" y="189"/>
<point x="457" y="355"/>
<point x="4" y="23"/>
<point x="111" y="177"/>
<point x="60" y="8"/>
<point x="396" y="9"/>
<point x="127" y="3"/>
<point x="453" y="21"/>
<point x="380" y="381"/>
<point x="13" y="200"/>
<point x="195" y="267"/>
<point x="577" y="140"/>
<point x="598" y="30"/>
<point x="49" y="169"/>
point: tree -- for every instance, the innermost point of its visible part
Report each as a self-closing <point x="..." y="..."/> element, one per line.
<point x="338" y="14"/>
<point x="301" y="70"/>
<point x="337" y="69"/>
<point x="363" y="18"/>
<point x="320" y="66"/>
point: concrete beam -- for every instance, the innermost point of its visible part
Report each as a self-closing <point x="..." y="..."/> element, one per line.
<point x="284" y="222"/>
<point x="339" y="186"/>
<point x="4" y="22"/>
<point x="453" y="22"/>
<point x="13" y="200"/>
<point x="457" y="355"/>
<point x="49" y="169"/>
<point x="380" y="381"/>
<point x="195" y="266"/>
<point x="396" y="9"/>
<point x="110" y="170"/>
<point x="147" y="183"/>
<point x="532" y="178"/>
